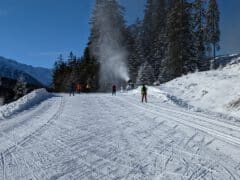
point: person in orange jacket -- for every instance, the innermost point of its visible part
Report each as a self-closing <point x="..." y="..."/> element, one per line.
<point x="78" y="87"/>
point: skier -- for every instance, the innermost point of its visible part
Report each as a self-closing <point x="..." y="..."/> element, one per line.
<point x="78" y="87"/>
<point x="88" y="88"/>
<point x="72" y="89"/>
<point x="144" y="93"/>
<point x="114" y="89"/>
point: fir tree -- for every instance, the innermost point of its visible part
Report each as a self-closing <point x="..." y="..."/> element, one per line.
<point x="180" y="58"/>
<point x="83" y="70"/>
<point x="148" y="36"/>
<point x="89" y="70"/>
<point x="135" y="51"/>
<point x="20" y="88"/>
<point x="145" y="74"/>
<point x="160" y="42"/>
<point x="60" y="72"/>
<point x="154" y="34"/>
<point x="72" y="59"/>
<point x="199" y="30"/>
<point x="189" y="49"/>
<point x="213" y="31"/>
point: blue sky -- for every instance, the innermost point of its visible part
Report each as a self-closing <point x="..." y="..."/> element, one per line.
<point x="36" y="31"/>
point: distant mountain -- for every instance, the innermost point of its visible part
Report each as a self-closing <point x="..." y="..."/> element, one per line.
<point x="14" y="74"/>
<point x="35" y="75"/>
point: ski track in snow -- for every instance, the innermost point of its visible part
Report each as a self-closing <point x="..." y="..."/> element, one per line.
<point x="97" y="136"/>
<point x="216" y="128"/>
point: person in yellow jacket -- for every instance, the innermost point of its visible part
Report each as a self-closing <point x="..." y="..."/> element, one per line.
<point x="88" y="88"/>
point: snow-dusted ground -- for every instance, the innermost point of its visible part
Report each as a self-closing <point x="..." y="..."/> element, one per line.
<point x="216" y="90"/>
<point x="26" y="102"/>
<point x="97" y="136"/>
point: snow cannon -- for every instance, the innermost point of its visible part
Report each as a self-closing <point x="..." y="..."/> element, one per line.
<point x="130" y="85"/>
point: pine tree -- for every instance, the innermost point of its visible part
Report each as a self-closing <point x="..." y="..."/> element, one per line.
<point x="20" y="88"/>
<point x="180" y="54"/>
<point x="213" y="31"/>
<point x="88" y="70"/>
<point x="145" y="74"/>
<point x="72" y="59"/>
<point x="82" y="70"/>
<point x="72" y="65"/>
<point x="148" y="36"/>
<point x="173" y="62"/>
<point x="154" y="34"/>
<point x="189" y="49"/>
<point x="199" y="30"/>
<point x="159" y="44"/>
<point x="60" y="72"/>
<point x="135" y="51"/>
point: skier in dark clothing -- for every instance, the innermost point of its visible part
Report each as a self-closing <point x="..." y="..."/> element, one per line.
<point x="144" y="93"/>
<point x="72" y="89"/>
<point x="114" y="89"/>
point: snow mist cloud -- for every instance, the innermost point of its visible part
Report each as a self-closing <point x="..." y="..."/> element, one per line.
<point x="109" y="50"/>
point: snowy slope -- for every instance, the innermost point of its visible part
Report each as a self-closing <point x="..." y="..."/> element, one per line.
<point x="215" y="90"/>
<point x="12" y="69"/>
<point x="98" y="136"/>
<point x="28" y="101"/>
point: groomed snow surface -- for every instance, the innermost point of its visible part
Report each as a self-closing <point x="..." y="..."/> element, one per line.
<point x="180" y="134"/>
<point x="98" y="136"/>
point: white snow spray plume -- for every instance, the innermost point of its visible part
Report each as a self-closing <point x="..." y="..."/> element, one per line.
<point x="109" y="49"/>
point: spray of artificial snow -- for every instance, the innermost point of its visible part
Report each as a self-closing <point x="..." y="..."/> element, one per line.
<point x="109" y="50"/>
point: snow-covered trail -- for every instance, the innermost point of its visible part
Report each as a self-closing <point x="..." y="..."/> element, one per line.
<point x="97" y="136"/>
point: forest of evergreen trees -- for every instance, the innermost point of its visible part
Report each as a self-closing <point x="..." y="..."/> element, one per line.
<point x="175" y="37"/>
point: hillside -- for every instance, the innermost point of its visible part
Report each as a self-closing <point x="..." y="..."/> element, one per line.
<point x="12" y="69"/>
<point x="215" y="90"/>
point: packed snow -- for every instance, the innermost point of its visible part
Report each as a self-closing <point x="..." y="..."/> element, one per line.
<point x="24" y="103"/>
<point x="100" y="136"/>
<point x="175" y="136"/>
<point x="215" y="90"/>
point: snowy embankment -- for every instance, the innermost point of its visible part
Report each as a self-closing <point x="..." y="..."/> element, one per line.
<point x="24" y="103"/>
<point x="215" y="90"/>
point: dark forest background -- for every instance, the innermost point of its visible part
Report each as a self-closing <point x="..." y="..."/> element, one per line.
<point x="174" y="38"/>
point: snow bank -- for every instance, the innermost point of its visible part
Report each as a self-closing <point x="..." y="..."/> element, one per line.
<point x="23" y="103"/>
<point x="215" y="90"/>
